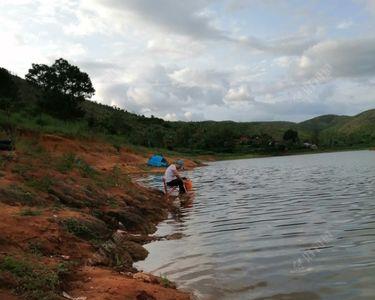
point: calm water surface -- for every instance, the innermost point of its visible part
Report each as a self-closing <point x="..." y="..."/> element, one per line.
<point x="296" y="227"/>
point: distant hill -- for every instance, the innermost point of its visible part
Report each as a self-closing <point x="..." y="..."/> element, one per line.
<point x="327" y="131"/>
<point x="323" y="122"/>
<point x="356" y="130"/>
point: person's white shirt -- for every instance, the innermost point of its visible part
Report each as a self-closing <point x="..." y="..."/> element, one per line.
<point x="170" y="173"/>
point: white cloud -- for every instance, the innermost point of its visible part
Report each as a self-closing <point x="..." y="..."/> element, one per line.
<point x="345" y="25"/>
<point x="238" y="95"/>
<point x="199" y="59"/>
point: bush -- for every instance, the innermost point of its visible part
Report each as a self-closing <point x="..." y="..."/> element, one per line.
<point x="79" y="229"/>
<point x="66" y="162"/>
<point x="43" y="184"/>
<point x="32" y="281"/>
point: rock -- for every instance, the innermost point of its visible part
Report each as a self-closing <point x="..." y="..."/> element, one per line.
<point x="110" y="254"/>
<point x="174" y="236"/>
<point x="119" y="252"/>
<point x="142" y="277"/>
<point x="136" y="251"/>
<point x="131" y="221"/>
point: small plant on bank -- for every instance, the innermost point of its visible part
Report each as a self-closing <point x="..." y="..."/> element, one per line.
<point x="70" y="161"/>
<point x="85" y="169"/>
<point x="112" y="202"/>
<point x="30" y="212"/>
<point x="43" y="184"/>
<point x="66" y="163"/>
<point x="165" y="281"/>
<point x="35" y="248"/>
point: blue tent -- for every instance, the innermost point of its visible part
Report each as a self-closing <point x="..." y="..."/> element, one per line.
<point x="157" y="161"/>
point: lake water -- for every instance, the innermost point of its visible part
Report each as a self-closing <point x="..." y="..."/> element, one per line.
<point x="294" y="227"/>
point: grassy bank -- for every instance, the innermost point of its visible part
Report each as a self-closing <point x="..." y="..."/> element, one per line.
<point x="73" y="221"/>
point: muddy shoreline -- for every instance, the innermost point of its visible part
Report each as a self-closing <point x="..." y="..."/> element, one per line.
<point x="70" y="210"/>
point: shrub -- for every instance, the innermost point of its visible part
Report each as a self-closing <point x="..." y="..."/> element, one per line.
<point x="43" y="184"/>
<point x="85" y="169"/>
<point x="33" y="281"/>
<point x="79" y="229"/>
<point x="66" y="162"/>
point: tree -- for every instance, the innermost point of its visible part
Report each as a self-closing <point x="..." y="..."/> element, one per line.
<point x="64" y="87"/>
<point x="8" y="91"/>
<point x="8" y="101"/>
<point x="291" y="136"/>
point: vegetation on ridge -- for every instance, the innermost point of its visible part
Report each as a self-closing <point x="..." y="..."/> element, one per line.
<point x="52" y="100"/>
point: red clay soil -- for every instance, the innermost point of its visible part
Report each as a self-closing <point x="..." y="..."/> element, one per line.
<point x="6" y="295"/>
<point x="102" y="284"/>
<point x="22" y="231"/>
<point x="104" y="156"/>
<point x="51" y="216"/>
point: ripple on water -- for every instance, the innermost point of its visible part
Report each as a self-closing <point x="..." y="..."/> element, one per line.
<point x="296" y="227"/>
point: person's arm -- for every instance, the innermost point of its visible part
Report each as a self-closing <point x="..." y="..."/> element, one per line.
<point x="175" y="173"/>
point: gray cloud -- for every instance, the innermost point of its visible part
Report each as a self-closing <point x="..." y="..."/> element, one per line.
<point x="155" y="90"/>
<point x="201" y="59"/>
<point x="181" y="17"/>
<point x="189" y="18"/>
<point x="294" y="45"/>
<point x="346" y="58"/>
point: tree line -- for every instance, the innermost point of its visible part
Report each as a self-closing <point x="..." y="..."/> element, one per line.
<point x="62" y="91"/>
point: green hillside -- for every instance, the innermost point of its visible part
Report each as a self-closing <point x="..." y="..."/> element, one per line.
<point x="21" y="109"/>
<point x="322" y="122"/>
<point x="357" y="130"/>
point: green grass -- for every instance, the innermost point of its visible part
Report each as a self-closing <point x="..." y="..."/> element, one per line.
<point x="165" y="281"/>
<point x="30" y="212"/>
<point x="85" y="169"/>
<point x="19" y="194"/>
<point x="43" y="184"/>
<point x="115" y="178"/>
<point x="66" y="162"/>
<point x="31" y="147"/>
<point x="79" y="229"/>
<point x="33" y="281"/>
<point x="47" y="124"/>
<point x="22" y="169"/>
<point x="35" y="248"/>
<point x="112" y="202"/>
<point x="70" y="161"/>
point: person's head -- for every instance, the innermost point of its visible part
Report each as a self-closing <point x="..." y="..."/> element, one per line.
<point x="179" y="164"/>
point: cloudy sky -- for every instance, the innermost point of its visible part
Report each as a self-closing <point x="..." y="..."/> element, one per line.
<point x="243" y="60"/>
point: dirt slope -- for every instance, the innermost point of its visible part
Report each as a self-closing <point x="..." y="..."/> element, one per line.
<point x="72" y="219"/>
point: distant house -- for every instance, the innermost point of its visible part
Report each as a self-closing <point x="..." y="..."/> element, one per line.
<point x="157" y="161"/>
<point x="244" y="140"/>
<point x="310" y="146"/>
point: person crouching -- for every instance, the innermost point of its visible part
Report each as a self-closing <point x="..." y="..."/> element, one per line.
<point x="173" y="178"/>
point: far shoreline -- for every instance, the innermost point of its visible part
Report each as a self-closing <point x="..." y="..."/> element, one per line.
<point x="223" y="157"/>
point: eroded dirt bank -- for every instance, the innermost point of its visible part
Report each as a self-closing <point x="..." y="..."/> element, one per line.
<point x="72" y="220"/>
